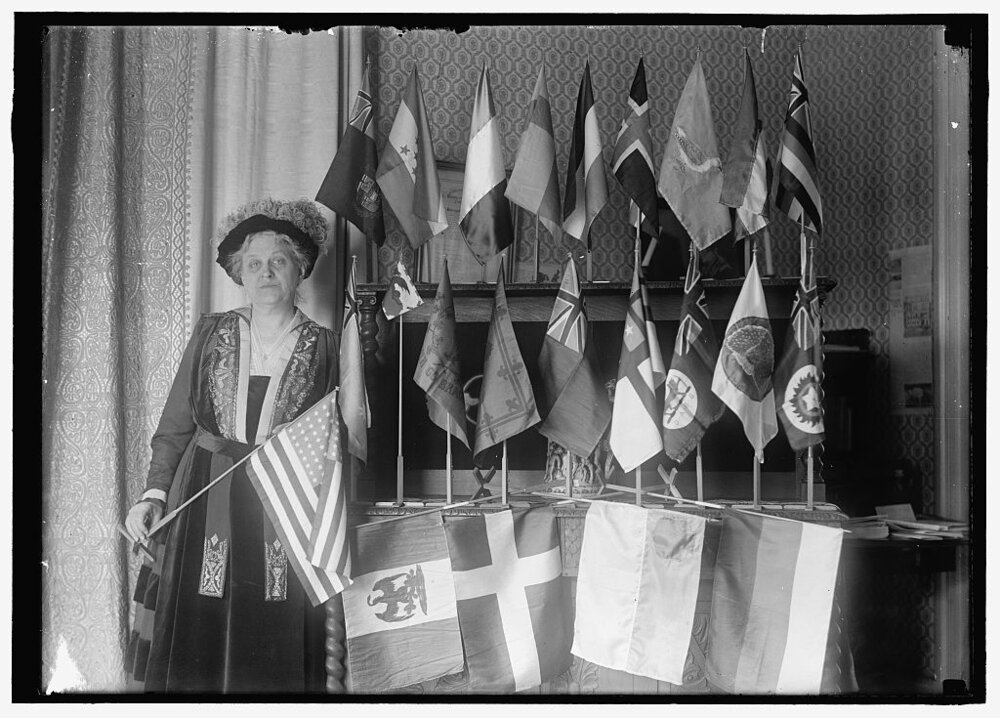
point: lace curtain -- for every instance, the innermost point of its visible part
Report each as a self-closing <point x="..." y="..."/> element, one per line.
<point x="153" y="135"/>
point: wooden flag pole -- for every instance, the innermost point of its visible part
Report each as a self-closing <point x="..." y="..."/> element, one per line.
<point x="447" y="465"/>
<point x="807" y="265"/>
<point x="503" y="475"/>
<point x="699" y="473"/>
<point x="638" y="485"/>
<point x="537" y="242"/>
<point x="399" y="453"/>
<point x="569" y="473"/>
<point x="809" y="478"/>
<point x="511" y="259"/>
<point x="756" y="482"/>
<point x="590" y="265"/>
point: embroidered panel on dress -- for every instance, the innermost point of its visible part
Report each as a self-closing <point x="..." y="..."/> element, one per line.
<point x="300" y="375"/>
<point x="275" y="571"/>
<point x="222" y="362"/>
<point x="213" y="567"/>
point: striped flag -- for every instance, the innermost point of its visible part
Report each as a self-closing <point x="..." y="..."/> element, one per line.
<point x="577" y="410"/>
<point x="438" y="372"/>
<point x="742" y="376"/>
<point x="691" y="171"/>
<point x="400" y="615"/>
<point x="798" y="376"/>
<point x="534" y="182"/>
<point x="349" y="188"/>
<point x="586" y="185"/>
<point x="745" y="174"/>
<point x="632" y="160"/>
<point x="689" y="406"/>
<point x="797" y="192"/>
<point x="485" y="214"/>
<point x="353" y="397"/>
<point x="771" y="604"/>
<point x="298" y="474"/>
<point x="635" y="418"/>
<point x="408" y="174"/>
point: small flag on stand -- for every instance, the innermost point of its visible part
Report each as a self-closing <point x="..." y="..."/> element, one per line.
<point x="635" y="417"/>
<point x="632" y="161"/>
<point x="691" y="171"/>
<point x="797" y="193"/>
<point x="746" y="172"/>
<point x="690" y="406"/>
<point x="534" y="182"/>
<point x="349" y="188"/>
<point x="298" y="475"/>
<point x="586" y="185"/>
<point x="742" y="376"/>
<point x="637" y="589"/>
<point x="438" y="372"/>
<point x="771" y="604"/>
<point x="353" y="398"/>
<point x="798" y="376"/>
<point x="401" y="296"/>
<point x="408" y="173"/>
<point x="485" y="214"/>
<point x="512" y="598"/>
<point x="506" y="400"/>
<point x="400" y="615"/>
<point x="577" y="410"/>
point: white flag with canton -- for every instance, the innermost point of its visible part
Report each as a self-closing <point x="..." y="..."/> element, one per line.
<point x="298" y="475"/>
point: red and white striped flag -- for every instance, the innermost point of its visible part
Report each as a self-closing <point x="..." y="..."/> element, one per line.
<point x="797" y="193"/>
<point x="298" y="475"/>
<point x="586" y="185"/>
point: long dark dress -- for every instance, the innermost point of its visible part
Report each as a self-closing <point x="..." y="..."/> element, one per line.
<point x="252" y="633"/>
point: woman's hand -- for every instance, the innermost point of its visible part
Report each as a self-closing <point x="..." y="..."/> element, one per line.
<point x="141" y="517"/>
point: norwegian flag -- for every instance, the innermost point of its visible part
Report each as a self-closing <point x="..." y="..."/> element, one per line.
<point x="298" y="475"/>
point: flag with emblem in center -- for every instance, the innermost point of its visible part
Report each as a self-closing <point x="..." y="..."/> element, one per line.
<point x="298" y="475"/>
<point x="635" y="418"/>
<point x="797" y="193"/>
<point x="586" y="185"/>
<point x="632" y="160"/>
<point x="689" y="405"/>
<point x="506" y="400"/>
<point x="353" y="398"/>
<point x="512" y="598"/>
<point x="798" y="376"/>
<point x="743" y="372"/>
<point x="408" y="173"/>
<point x="400" y="614"/>
<point x="438" y="371"/>
<point x="691" y="171"/>
<point x="349" y="188"/>
<point x="576" y="405"/>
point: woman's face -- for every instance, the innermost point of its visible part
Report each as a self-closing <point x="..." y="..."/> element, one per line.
<point x="270" y="274"/>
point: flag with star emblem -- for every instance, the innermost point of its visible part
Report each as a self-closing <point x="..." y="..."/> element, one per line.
<point x="506" y="400"/>
<point x="586" y="185"/>
<point x="691" y="171"/>
<point x="743" y="372"/>
<point x="576" y="406"/>
<point x="797" y="378"/>
<point x="511" y="598"/>
<point x="797" y="192"/>
<point x="635" y="418"/>
<point x="408" y="174"/>
<point x="689" y="405"/>
<point x="632" y="161"/>
<point x="298" y="475"/>
<point x="349" y="188"/>
<point x="353" y="397"/>
<point x="746" y="172"/>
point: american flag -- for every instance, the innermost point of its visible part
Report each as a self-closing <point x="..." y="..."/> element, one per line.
<point x="298" y="475"/>
<point x="797" y="193"/>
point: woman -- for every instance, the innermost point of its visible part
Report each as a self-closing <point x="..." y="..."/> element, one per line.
<point x="218" y="610"/>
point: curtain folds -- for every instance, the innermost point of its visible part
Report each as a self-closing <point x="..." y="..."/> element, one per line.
<point x="153" y="135"/>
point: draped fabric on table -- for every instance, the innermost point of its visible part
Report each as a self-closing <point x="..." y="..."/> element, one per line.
<point x="153" y="135"/>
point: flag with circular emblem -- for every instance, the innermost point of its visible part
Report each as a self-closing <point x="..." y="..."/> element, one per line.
<point x="797" y="379"/>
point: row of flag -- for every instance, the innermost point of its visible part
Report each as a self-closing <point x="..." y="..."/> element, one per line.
<point x="698" y="187"/>
<point x="434" y="596"/>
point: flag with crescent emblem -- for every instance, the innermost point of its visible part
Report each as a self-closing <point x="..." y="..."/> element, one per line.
<point x="798" y="376"/>
<point x="743" y="372"/>
<point x="689" y="405"/>
<point x="691" y="171"/>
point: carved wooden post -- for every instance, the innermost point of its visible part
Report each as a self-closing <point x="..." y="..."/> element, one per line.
<point x="335" y="646"/>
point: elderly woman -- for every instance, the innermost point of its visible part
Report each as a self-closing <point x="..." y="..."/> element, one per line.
<point x="218" y="610"/>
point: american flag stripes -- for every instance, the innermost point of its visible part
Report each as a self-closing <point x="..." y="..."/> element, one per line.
<point x="298" y="475"/>
<point x="797" y="193"/>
